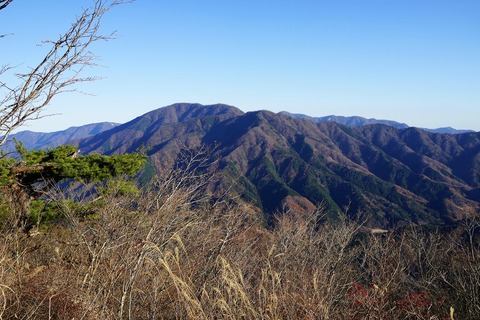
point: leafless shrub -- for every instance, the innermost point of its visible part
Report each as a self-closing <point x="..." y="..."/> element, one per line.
<point x="462" y="274"/>
<point x="174" y="251"/>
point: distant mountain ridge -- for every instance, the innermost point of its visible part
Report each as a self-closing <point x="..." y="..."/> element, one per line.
<point x="356" y="121"/>
<point x="41" y="140"/>
<point x="37" y="140"/>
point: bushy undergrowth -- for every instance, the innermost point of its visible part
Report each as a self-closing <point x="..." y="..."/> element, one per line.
<point x="173" y="252"/>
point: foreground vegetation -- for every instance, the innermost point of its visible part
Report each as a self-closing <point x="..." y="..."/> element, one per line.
<point x="170" y="251"/>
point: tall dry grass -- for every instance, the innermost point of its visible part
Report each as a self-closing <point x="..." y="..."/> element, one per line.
<point x="172" y="251"/>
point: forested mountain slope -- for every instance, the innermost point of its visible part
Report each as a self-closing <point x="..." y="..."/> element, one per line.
<point x="391" y="176"/>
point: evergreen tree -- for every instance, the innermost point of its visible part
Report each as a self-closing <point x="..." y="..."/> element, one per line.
<point x="30" y="176"/>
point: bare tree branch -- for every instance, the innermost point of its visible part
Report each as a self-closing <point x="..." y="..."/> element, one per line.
<point x="4" y="3"/>
<point x="58" y="71"/>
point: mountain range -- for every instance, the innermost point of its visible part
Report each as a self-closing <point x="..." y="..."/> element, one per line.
<point x="356" y="121"/>
<point x="380" y="173"/>
<point x="41" y="140"/>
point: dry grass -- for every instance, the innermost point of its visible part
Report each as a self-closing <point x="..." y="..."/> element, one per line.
<point x="171" y="252"/>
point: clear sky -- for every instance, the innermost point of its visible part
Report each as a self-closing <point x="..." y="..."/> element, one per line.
<point x="413" y="61"/>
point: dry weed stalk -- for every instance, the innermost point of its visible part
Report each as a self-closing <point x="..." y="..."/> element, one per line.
<point x="174" y="251"/>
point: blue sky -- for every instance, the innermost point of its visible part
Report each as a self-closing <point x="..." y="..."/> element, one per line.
<point x="416" y="62"/>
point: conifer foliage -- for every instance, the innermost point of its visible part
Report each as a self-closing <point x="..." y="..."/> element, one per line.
<point x="36" y="171"/>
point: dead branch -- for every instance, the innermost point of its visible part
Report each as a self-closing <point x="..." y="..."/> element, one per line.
<point x="4" y="3"/>
<point x="56" y="73"/>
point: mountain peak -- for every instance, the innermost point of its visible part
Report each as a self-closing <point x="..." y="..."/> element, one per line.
<point x="180" y="112"/>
